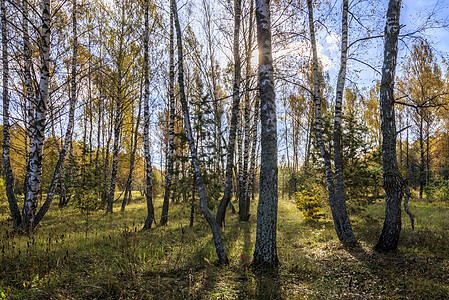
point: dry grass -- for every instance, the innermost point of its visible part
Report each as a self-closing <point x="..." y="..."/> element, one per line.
<point x="75" y="256"/>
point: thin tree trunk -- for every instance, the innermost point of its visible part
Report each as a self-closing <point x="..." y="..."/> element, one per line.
<point x="115" y="149"/>
<point x="68" y="135"/>
<point x="221" y="210"/>
<point x="192" y="205"/>
<point x="223" y="259"/>
<point x="393" y="181"/>
<point x="146" y="131"/>
<point x="37" y="144"/>
<point x="243" y="199"/>
<point x="12" y="201"/>
<point x="253" y="162"/>
<point x="317" y="99"/>
<point x="265" y="252"/>
<point x="129" y="181"/>
<point x="421" y="151"/>
<point x="340" y="214"/>
<point x="30" y="103"/>
<point x="171" y="129"/>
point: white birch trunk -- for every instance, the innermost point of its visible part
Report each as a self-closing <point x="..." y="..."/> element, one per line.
<point x="223" y="259"/>
<point x="9" y="177"/>
<point x="265" y="252"/>
<point x="146" y="135"/>
<point x="221" y="210"/>
<point x="69" y="131"/>
<point x="37" y="142"/>
<point x="171" y="129"/>
<point x="393" y="181"/>
<point x="339" y="212"/>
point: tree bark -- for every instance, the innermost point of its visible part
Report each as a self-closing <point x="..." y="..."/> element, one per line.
<point x="223" y="259"/>
<point x="171" y="129"/>
<point x="37" y="143"/>
<point x="221" y="210"/>
<point x="244" y="202"/>
<point x="421" y="151"/>
<point x="339" y="212"/>
<point x="68" y="135"/>
<point x="115" y="149"/>
<point x="30" y="103"/>
<point x="265" y="252"/>
<point x="146" y="132"/>
<point x="9" y="177"/>
<point x="317" y="99"/>
<point x="393" y="181"/>
<point x="129" y="181"/>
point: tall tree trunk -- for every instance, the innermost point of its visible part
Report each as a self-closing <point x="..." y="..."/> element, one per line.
<point x="393" y="181"/>
<point x="221" y="210"/>
<point x="12" y="201"/>
<point x="317" y="99"/>
<point x="68" y="135"/>
<point x="37" y="143"/>
<point x="253" y="162"/>
<point x="146" y="131"/>
<point x="340" y="214"/>
<point x="30" y="102"/>
<point x="171" y="129"/>
<point x="223" y="259"/>
<point x="421" y="151"/>
<point x="129" y="181"/>
<point x="265" y="252"/>
<point x="244" y="202"/>
<point x="115" y="149"/>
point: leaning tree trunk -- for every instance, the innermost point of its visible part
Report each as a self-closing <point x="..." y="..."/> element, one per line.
<point x="265" y="252"/>
<point x="68" y="135"/>
<point x="317" y="99"/>
<point x="221" y="210"/>
<point x="171" y="129"/>
<point x="37" y="143"/>
<point x="339" y="212"/>
<point x="393" y="181"/>
<point x="223" y="259"/>
<point x="146" y="131"/>
<point x="13" y="207"/>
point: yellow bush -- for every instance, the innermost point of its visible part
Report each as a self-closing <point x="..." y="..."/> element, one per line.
<point x="308" y="201"/>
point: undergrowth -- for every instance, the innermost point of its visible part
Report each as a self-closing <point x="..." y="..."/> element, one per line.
<point x="73" y="255"/>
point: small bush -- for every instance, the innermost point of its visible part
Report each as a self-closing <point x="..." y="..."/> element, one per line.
<point x="309" y="202"/>
<point x="438" y="191"/>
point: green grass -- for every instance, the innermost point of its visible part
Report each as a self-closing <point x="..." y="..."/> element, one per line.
<point x="75" y="256"/>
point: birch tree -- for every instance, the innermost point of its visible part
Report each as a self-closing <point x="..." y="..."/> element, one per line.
<point x="68" y="134"/>
<point x="221" y="211"/>
<point x="36" y="144"/>
<point x="13" y="207"/>
<point x="265" y="252"/>
<point x="146" y="119"/>
<point x="335" y="189"/>
<point x="339" y="211"/>
<point x="222" y="257"/>
<point x="171" y="129"/>
<point x="393" y="181"/>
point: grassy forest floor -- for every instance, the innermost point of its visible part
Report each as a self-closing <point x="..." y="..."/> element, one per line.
<point x="77" y="256"/>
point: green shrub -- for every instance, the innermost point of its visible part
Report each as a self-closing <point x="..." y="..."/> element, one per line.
<point x="309" y="202"/>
